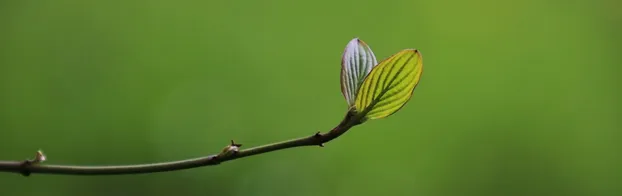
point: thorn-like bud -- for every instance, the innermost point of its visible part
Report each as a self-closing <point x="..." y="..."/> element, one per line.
<point x="317" y="136"/>
<point x="234" y="144"/>
<point x="230" y="149"/>
<point x="40" y="157"/>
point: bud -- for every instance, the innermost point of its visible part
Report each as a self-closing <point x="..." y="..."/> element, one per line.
<point x="40" y="157"/>
<point x="230" y="149"/>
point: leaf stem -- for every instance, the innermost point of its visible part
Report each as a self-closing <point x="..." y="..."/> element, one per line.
<point x="27" y="167"/>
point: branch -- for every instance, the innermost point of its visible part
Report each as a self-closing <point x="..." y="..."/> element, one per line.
<point x="231" y="152"/>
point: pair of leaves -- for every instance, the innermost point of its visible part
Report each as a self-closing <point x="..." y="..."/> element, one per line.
<point x="377" y="90"/>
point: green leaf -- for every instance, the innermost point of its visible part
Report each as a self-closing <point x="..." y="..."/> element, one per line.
<point x="356" y="62"/>
<point x="389" y="85"/>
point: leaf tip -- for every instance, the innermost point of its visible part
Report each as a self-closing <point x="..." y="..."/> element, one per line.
<point x="361" y="42"/>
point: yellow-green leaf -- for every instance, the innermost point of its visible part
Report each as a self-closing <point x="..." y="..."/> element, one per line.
<point x="389" y="85"/>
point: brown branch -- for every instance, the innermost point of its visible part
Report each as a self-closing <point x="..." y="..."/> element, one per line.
<point x="231" y="152"/>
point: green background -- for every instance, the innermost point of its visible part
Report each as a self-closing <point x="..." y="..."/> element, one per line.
<point x="517" y="97"/>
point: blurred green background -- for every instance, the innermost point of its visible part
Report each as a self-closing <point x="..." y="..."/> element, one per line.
<point x="517" y="97"/>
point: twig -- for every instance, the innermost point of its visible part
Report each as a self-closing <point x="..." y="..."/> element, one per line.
<point x="231" y="152"/>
